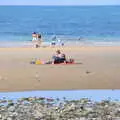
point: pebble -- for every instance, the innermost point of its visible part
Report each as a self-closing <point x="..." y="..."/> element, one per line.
<point x="71" y="110"/>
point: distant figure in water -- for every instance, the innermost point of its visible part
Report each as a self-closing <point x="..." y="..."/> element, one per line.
<point x="53" y="42"/>
<point x="60" y="42"/>
<point x="80" y="38"/>
<point x="56" y="41"/>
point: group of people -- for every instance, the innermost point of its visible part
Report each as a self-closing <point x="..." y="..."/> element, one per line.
<point x="58" y="58"/>
<point x="37" y="40"/>
<point x="56" y="41"/>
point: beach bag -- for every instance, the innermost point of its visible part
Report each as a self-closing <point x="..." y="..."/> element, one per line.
<point x="38" y="62"/>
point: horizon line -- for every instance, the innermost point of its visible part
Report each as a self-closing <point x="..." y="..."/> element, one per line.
<point x="65" y="5"/>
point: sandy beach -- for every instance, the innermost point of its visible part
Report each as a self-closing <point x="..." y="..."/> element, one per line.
<point x="99" y="68"/>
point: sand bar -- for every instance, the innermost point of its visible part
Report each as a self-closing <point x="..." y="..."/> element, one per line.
<point x="99" y="69"/>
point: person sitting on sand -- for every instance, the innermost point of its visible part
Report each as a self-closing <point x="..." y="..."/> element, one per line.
<point x="59" y="57"/>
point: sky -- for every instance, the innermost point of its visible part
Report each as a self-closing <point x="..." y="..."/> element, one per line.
<point x="59" y="2"/>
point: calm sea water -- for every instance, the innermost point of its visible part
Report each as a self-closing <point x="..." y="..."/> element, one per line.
<point x="96" y="95"/>
<point x="94" y="25"/>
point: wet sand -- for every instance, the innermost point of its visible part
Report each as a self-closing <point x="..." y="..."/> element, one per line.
<point x="99" y="68"/>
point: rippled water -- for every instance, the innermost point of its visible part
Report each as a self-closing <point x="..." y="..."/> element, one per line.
<point x="94" y="25"/>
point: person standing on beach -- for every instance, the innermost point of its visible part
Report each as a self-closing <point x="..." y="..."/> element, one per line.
<point x="60" y="42"/>
<point x="34" y="36"/>
<point x="53" y="42"/>
<point x="34" y="39"/>
<point x="39" y="40"/>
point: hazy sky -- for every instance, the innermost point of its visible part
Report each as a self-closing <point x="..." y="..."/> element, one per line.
<point x="59" y="2"/>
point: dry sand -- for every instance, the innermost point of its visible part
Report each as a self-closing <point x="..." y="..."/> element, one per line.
<point x="99" y="69"/>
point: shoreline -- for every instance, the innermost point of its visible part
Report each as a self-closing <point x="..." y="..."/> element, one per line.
<point x="75" y="43"/>
<point x="96" y="95"/>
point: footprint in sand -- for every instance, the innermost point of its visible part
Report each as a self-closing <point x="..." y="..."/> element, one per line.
<point x="88" y="72"/>
<point x="37" y="77"/>
<point x="3" y="78"/>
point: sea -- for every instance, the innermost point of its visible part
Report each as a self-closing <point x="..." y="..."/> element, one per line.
<point x="73" y="25"/>
<point x="96" y="95"/>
